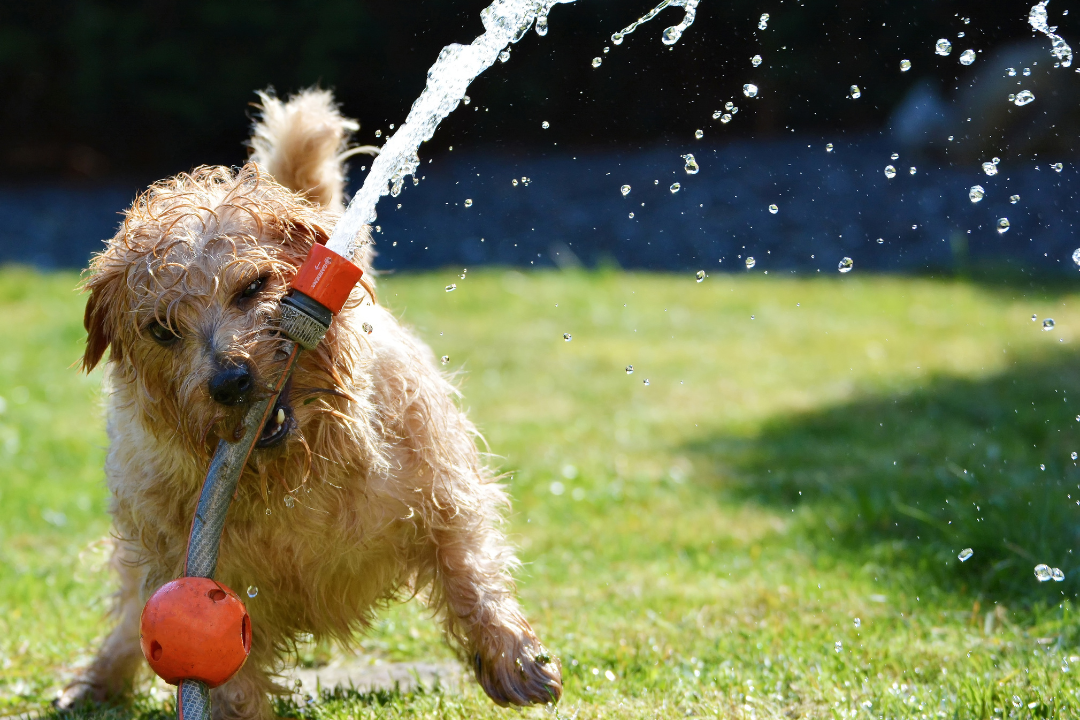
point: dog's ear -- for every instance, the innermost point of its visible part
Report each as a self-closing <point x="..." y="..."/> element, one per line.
<point x="98" y="320"/>
<point x="300" y="235"/>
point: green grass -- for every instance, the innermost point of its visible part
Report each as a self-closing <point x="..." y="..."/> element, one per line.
<point x="807" y="452"/>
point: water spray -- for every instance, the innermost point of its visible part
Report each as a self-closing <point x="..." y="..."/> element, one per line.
<point x="195" y="632"/>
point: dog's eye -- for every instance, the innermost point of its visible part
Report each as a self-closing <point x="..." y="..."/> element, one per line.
<point x="161" y="334"/>
<point x="253" y="288"/>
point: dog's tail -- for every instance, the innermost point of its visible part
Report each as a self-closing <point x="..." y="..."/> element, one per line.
<point x="304" y="142"/>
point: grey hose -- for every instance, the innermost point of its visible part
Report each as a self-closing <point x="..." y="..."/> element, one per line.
<point x="192" y="696"/>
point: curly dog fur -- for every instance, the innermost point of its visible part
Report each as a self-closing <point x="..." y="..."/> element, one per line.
<point x="374" y="490"/>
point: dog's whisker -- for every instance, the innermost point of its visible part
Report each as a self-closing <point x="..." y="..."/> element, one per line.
<point x="323" y="391"/>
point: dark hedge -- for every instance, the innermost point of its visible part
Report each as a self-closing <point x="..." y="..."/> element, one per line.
<point x="104" y="87"/>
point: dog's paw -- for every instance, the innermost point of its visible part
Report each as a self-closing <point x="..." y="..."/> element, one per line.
<point x="79" y="694"/>
<point x="524" y="673"/>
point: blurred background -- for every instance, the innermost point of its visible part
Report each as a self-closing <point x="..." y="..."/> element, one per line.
<point x="101" y="98"/>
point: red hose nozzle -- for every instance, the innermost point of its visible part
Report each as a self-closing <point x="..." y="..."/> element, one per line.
<point x="327" y="278"/>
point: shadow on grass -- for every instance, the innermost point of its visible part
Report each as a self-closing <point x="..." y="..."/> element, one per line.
<point x="906" y="482"/>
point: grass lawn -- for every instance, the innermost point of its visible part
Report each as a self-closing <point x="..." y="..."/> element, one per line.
<point x="762" y="520"/>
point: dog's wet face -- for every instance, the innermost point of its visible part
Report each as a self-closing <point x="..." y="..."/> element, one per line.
<point x="204" y="343"/>
<point x="187" y="296"/>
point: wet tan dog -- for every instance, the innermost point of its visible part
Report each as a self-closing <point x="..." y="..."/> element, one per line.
<point x="365" y="486"/>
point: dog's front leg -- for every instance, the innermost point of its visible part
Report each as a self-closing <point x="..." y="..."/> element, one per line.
<point x="481" y="613"/>
<point x="112" y="674"/>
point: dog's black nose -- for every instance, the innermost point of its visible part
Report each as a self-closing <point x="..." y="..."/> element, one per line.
<point x="232" y="385"/>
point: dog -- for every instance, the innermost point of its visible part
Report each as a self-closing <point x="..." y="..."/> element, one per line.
<point x="366" y="485"/>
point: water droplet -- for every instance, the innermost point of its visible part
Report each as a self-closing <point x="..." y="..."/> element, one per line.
<point x="252" y="591"/>
<point x="1057" y="167"/>
<point x="763" y="22"/>
<point x="672" y="35"/>
<point x="773" y="209"/>
<point x="839" y="646"/>
<point x="646" y="381"/>
<point x="894" y="156"/>
<point x="366" y="327"/>
<point x="828" y="147"/>
<point x="289" y="501"/>
<point x="881" y="241"/>
<point x="625" y="190"/>
<point x="858" y="622"/>
<point x="542" y="25"/>
<point x="631" y="216"/>
<point x="890" y="171"/>
<point x="1003" y="226"/>
<point x="1024" y="97"/>
<point x="691" y="166"/>
<point x="617" y="38"/>
<point x="967" y="57"/>
<point x="845" y="265"/>
<point x="1076" y="256"/>
<point x="755" y="61"/>
<point x="1027" y="72"/>
<point x="749" y="90"/>
<point x="1042" y="466"/>
<point x="1064" y="663"/>
<point x="468" y="202"/>
<point x="700" y="275"/>
<point x="466" y="99"/>
<point x="675" y="187"/>
<point x="607" y="50"/>
<point x="598" y="61"/>
<point x="268" y="512"/>
<point x="976" y="193"/>
<point x="451" y="287"/>
<point x="1016" y="701"/>
<point x="545" y="124"/>
<point x="726" y="118"/>
<point x="750" y="262"/>
<point x="943" y="47"/>
<point x="912" y="170"/>
<point x="504" y="55"/>
<point x="445" y="359"/>
<point x="629" y="369"/>
<point x="1057" y="575"/>
<point x="1048" y="324"/>
<point x="1014" y="199"/>
<point x="1034" y="318"/>
<point x="729" y="106"/>
<point x="378" y="133"/>
<point x="965" y="554"/>
<point x="566" y="337"/>
<point x="699" y="134"/>
<point x="990" y="168"/>
<point x="905" y="65"/>
<point x="1043" y="573"/>
<point x="856" y="93"/>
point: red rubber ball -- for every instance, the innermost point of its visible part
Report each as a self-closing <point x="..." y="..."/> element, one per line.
<point x="195" y="629"/>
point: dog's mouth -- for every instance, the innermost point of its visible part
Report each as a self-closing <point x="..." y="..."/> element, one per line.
<point x="281" y="422"/>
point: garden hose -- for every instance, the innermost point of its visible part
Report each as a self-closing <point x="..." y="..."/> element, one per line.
<point x="317" y="293"/>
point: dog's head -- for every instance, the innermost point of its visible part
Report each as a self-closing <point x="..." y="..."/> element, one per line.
<point x="186" y="297"/>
